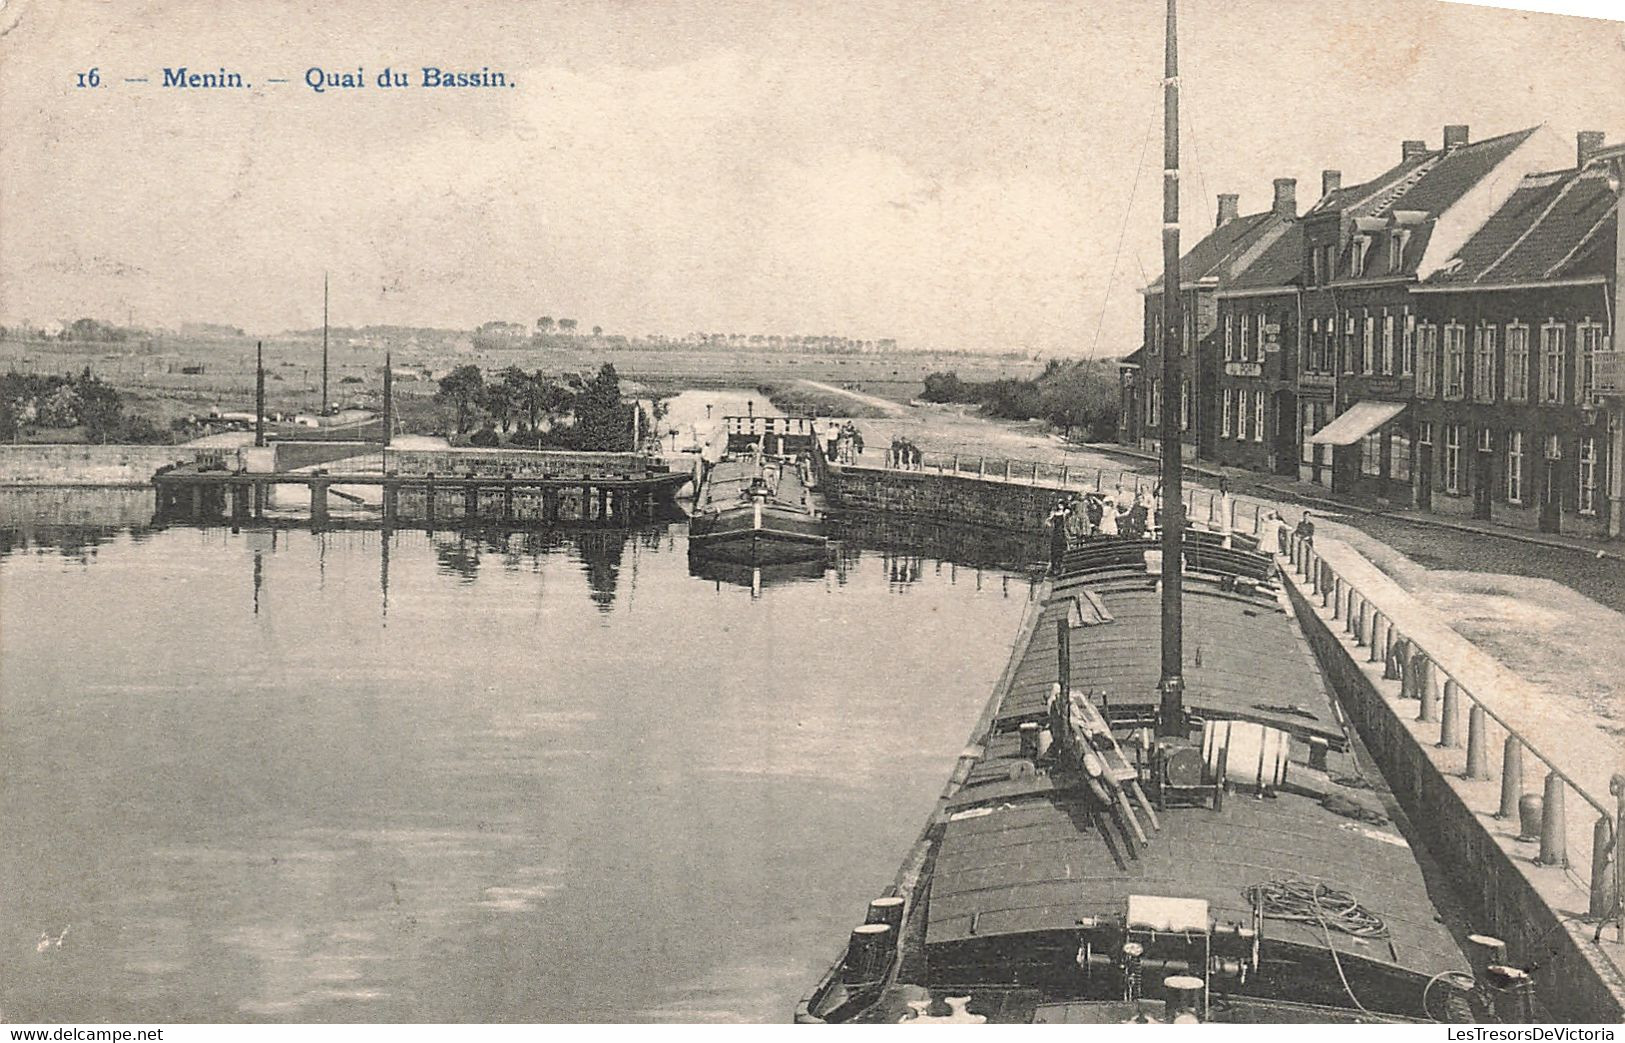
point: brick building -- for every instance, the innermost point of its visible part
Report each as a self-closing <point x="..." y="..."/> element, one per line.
<point x="1324" y="235"/>
<point x="1206" y="268"/>
<point x="1364" y="250"/>
<point x="1513" y="424"/>
<point x="1251" y="375"/>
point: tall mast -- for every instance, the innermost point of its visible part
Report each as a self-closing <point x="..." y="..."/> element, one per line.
<point x="259" y="392"/>
<point x="1171" y="720"/>
<point x="323" y="410"/>
<point x="389" y="399"/>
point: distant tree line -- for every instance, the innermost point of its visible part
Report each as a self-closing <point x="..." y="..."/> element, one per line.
<point x="1072" y="396"/>
<point x="85" y="330"/>
<point x="534" y="410"/>
<point x="32" y="401"/>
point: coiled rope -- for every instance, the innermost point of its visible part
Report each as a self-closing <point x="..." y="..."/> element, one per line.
<point x="1315" y="903"/>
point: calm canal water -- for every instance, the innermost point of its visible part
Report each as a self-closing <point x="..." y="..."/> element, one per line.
<point x="455" y="777"/>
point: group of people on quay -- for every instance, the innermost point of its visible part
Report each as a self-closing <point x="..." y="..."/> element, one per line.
<point x="843" y="443"/>
<point x="1095" y="514"/>
<point x="904" y="455"/>
<point x="1083" y="516"/>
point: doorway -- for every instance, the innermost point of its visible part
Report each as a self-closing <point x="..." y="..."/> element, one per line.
<point x="1286" y="433"/>
<point x="1483" y="486"/>
<point x="1551" y="497"/>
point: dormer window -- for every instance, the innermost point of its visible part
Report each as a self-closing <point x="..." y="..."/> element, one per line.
<point x="1362" y="243"/>
<point x="1396" y="250"/>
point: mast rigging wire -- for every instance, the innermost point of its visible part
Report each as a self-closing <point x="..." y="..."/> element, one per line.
<point x="1122" y="232"/>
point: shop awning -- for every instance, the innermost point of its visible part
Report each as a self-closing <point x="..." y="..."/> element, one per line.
<point x="1357" y="421"/>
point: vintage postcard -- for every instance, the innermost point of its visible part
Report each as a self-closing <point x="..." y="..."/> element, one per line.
<point x="811" y="511"/>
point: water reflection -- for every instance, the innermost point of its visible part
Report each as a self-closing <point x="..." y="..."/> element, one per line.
<point x="74" y="523"/>
<point x="599" y="551"/>
<point x="71" y="521"/>
<point x="756" y="577"/>
<point x="419" y="776"/>
<point x="963" y="545"/>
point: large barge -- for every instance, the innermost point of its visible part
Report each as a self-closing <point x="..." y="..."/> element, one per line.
<point x="1087" y="863"/>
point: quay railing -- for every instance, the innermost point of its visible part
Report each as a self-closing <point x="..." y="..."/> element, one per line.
<point x="1441" y="697"/>
<point x="761" y="426"/>
<point x="1202" y="504"/>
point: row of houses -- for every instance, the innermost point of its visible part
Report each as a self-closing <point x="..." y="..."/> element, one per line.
<point x="1438" y="336"/>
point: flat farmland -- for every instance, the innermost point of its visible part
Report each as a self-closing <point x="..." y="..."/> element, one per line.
<point x="154" y="373"/>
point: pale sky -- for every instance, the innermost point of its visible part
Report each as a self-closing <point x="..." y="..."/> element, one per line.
<point x="949" y="174"/>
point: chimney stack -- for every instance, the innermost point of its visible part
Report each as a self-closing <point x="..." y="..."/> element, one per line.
<point x="1586" y="144"/>
<point x="1330" y="181"/>
<point x="1409" y="150"/>
<point x="1455" y="135"/>
<point x="1286" y="196"/>
<point x="1229" y="208"/>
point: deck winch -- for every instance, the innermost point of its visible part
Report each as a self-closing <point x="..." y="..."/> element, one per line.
<point x="1158" y="938"/>
<point x="1236" y="754"/>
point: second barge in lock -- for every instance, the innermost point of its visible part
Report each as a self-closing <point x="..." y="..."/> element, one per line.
<point x="759" y="502"/>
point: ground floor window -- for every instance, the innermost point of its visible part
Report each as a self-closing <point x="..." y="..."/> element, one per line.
<point x="1258" y="415"/>
<point x="1515" y="467"/>
<point x="1371" y="454"/>
<point x="1225" y="413"/>
<point x="1399" y="457"/>
<point x="1452" y="458"/>
<point x="1588" y="476"/>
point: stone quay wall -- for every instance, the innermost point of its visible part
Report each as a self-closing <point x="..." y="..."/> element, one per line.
<point x="941" y="498"/>
<point x="1538" y="910"/>
<point x="88" y="464"/>
<point x="521" y="463"/>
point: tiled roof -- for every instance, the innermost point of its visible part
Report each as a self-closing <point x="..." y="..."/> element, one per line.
<point x="1349" y="195"/>
<point x="1454" y="174"/>
<point x="1207" y="258"/>
<point x="1280" y="264"/>
<point x="1134" y="358"/>
<point x="1556" y="225"/>
<point x="1428" y="181"/>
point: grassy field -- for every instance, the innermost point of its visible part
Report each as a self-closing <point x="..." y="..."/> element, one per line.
<point x="151" y="374"/>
